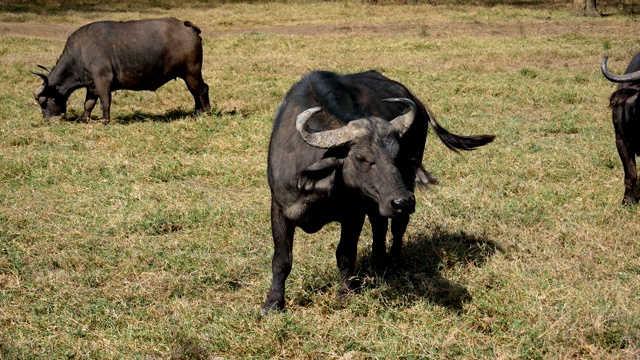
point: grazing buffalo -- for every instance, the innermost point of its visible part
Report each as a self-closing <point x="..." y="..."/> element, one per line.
<point x="342" y="147"/>
<point x="625" y="113"/>
<point x="132" y="55"/>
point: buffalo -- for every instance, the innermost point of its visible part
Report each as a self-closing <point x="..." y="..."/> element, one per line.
<point x="132" y="55"/>
<point x="625" y="113"/>
<point x="344" y="147"/>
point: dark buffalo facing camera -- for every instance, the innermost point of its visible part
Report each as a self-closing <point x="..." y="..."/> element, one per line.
<point x="132" y="55"/>
<point x="344" y="147"/>
<point x="625" y="113"/>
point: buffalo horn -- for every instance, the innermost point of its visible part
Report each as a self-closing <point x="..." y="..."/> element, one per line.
<point x="404" y="121"/>
<point x="43" y="76"/>
<point x="322" y="139"/>
<point x="44" y="68"/>
<point x="617" y="78"/>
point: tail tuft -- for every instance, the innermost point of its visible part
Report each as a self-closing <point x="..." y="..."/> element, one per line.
<point x="458" y="142"/>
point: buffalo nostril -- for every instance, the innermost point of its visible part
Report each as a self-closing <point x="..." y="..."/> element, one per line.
<point x="404" y="204"/>
<point x="398" y="203"/>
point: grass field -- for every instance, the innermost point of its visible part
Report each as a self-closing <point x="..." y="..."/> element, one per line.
<point x="150" y="237"/>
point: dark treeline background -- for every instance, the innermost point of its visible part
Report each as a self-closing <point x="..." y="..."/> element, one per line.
<point x="629" y="7"/>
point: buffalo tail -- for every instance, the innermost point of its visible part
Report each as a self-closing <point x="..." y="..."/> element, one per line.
<point x="193" y="26"/>
<point x="459" y="142"/>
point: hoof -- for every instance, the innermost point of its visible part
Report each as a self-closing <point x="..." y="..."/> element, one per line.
<point x="380" y="261"/>
<point x="349" y="287"/>
<point x="629" y="201"/>
<point x="386" y="261"/>
<point x="272" y="307"/>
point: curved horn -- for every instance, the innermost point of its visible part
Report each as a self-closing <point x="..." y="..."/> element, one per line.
<point x="617" y="78"/>
<point x="43" y="76"/>
<point x="323" y="139"/>
<point x="44" y="68"/>
<point x="404" y="121"/>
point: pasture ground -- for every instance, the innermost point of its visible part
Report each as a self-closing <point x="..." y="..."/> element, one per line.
<point x="150" y="237"/>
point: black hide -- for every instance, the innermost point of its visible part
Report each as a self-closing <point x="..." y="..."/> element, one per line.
<point x="133" y="55"/>
<point x="372" y="175"/>
<point x="625" y="115"/>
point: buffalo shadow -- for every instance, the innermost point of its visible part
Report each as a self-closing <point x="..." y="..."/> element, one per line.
<point x="141" y="116"/>
<point x="417" y="275"/>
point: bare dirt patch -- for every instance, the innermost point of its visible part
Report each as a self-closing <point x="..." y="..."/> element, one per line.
<point x="543" y="27"/>
<point x="37" y="30"/>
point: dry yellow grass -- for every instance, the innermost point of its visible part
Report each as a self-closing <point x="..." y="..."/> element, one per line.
<point x="150" y="237"/>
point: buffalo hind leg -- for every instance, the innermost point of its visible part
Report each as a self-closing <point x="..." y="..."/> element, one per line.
<point x="627" y="153"/>
<point x="282" y="231"/>
<point x="200" y="92"/>
<point x="89" y="103"/>
<point x="103" y="89"/>
<point x="398" y="228"/>
<point x="347" y="251"/>
<point x="627" y="156"/>
<point x="379" y="227"/>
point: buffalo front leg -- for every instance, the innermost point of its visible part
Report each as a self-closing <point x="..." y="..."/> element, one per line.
<point x="282" y="231"/>
<point x="628" y="158"/>
<point x="89" y="103"/>
<point x="347" y="251"/>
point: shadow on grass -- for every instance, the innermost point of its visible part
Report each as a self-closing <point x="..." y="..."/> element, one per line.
<point x="417" y="274"/>
<point x="140" y="116"/>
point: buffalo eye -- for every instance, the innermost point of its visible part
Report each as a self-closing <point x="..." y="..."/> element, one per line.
<point x="363" y="163"/>
<point x="363" y="160"/>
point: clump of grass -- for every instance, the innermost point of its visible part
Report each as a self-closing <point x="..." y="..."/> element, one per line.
<point x="530" y="73"/>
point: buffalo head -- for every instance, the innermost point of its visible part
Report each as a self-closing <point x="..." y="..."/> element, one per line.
<point x="370" y="165"/>
<point x="48" y="97"/>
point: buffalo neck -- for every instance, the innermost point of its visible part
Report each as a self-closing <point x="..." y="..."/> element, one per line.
<point x="65" y="78"/>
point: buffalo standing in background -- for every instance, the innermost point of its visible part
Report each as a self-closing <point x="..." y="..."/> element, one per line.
<point x="625" y="113"/>
<point x="132" y="55"/>
<point x="342" y="147"/>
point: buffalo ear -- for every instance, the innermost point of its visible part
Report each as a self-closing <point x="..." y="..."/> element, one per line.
<point x="626" y="99"/>
<point x="39" y="90"/>
<point x="423" y="177"/>
<point x="625" y="95"/>
<point x="319" y="177"/>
